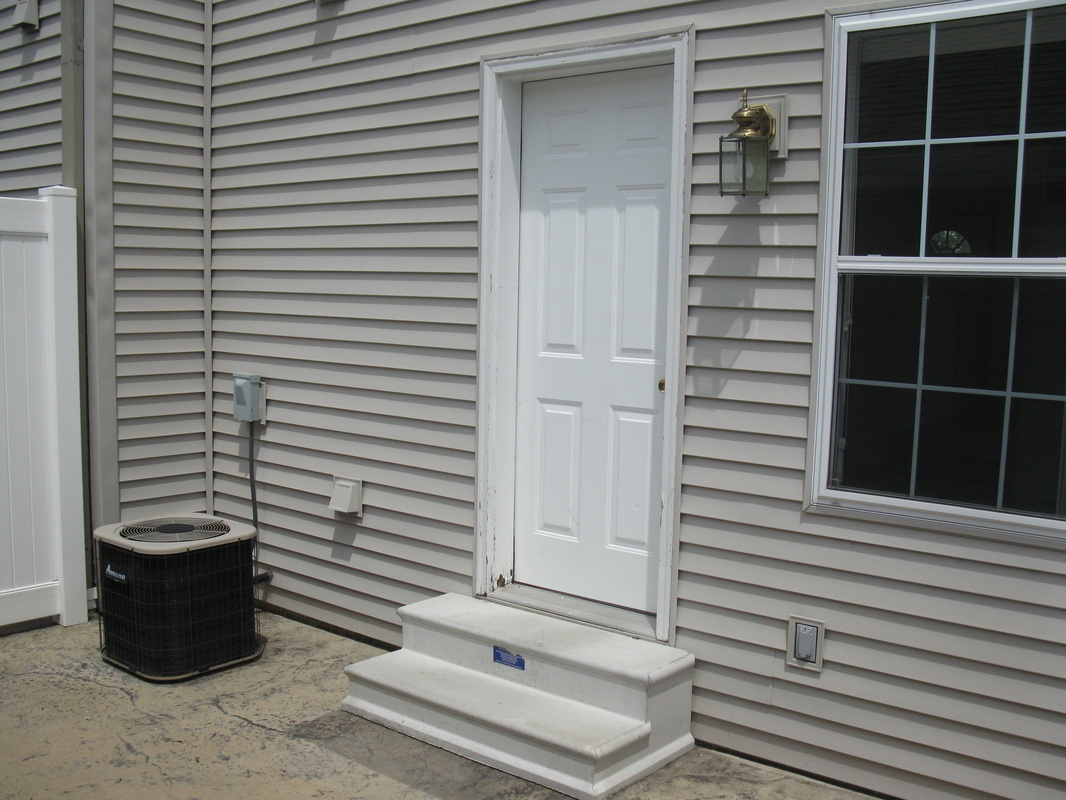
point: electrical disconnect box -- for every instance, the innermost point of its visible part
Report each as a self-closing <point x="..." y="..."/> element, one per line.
<point x="248" y="397"/>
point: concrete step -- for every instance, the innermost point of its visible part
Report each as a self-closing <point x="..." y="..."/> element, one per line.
<point x="581" y="710"/>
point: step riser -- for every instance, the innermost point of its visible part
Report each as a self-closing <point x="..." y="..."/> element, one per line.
<point x="611" y="692"/>
<point x="575" y="777"/>
<point x="589" y="712"/>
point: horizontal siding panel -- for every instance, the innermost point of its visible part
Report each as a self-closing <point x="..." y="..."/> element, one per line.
<point x="389" y="188"/>
<point x="727" y="415"/>
<point x="441" y="286"/>
<point x="434" y="471"/>
<point x="989" y="581"/>
<point x="751" y="356"/>
<point x="767" y="482"/>
<point x="191" y="462"/>
<point x="354" y="166"/>
<point x="746" y="448"/>
<point x="400" y="259"/>
<point x="294" y="329"/>
<point x="175" y="444"/>
<point x="290" y="594"/>
<point x="160" y="363"/>
<point x="415" y="455"/>
<point x="751" y="324"/>
<point x="939" y="774"/>
<point x="713" y="505"/>
<point x="1010" y="618"/>
<point x="402" y="514"/>
<point x="749" y="387"/>
<point x="729" y="292"/>
<point x="242" y="129"/>
<point x="755" y="645"/>
<point x="386" y="428"/>
<point x="770" y="261"/>
<point x="453" y="235"/>
<point x="356" y="400"/>
<point x="385" y="381"/>
<point x="135" y="494"/>
<point x="351" y="214"/>
<point x="421" y="309"/>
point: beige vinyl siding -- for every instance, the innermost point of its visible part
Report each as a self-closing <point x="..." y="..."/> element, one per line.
<point x="31" y="106"/>
<point x="158" y="158"/>
<point x="344" y="269"/>
<point x="344" y="235"/>
<point x="942" y="675"/>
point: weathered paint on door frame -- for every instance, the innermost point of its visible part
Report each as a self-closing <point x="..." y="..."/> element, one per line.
<point x="501" y="139"/>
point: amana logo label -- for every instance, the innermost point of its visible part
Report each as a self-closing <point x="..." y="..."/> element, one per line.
<point x="115" y="575"/>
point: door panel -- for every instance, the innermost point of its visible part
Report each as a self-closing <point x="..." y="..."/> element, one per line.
<point x="595" y="177"/>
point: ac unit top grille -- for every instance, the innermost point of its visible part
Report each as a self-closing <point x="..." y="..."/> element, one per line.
<point x="174" y="529"/>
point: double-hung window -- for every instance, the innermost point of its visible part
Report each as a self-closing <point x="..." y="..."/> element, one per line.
<point x="942" y="359"/>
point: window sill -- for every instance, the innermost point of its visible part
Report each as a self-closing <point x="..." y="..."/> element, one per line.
<point x="973" y="523"/>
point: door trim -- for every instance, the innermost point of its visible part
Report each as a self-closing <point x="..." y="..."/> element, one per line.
<point x="501" y="126"/>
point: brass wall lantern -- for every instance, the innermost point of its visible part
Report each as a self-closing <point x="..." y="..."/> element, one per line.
<point x="744" y="166"/>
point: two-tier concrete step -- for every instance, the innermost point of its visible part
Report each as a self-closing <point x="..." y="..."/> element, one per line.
<point x="578" y="709"/>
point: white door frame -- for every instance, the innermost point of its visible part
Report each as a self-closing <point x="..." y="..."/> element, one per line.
<point x="501" y="116"/>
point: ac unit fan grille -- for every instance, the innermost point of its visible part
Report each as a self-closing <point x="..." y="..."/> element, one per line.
<point x="174" y="529"/>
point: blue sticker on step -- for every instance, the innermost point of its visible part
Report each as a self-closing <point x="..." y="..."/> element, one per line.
<point x="501" y="656"/>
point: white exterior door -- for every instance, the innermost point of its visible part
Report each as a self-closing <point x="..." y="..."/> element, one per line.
<point x="592" y="300"/>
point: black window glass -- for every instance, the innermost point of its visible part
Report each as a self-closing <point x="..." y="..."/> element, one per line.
<point x="888" y="71"/>
<point x="1043" y="215"/>
<point x="959" y="448"/>
<point x="1040" y="347"/>
<point x="971" y="199"/>
<point x="1036" y="452"/>
<point x="875" y="456"/>
<point x="882" y="327"/>
<point x="886" y="204"/>
<point x="977" y="80"/>
<point x="1047" y="72"/>
<point x="967" y="338"/>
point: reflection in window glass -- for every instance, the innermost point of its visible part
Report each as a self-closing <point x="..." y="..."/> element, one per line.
<point x="1040" y="342"/>
<point x="1043" y="215"/>
<point x="978" y="59"/>
<point x="1034" y="472"/>
<point x="971" y="192"/>
<point x="886" y="206"/>
<point x="875" y="457"/>
<point x="1047" y="72"/>
<point x="926" y="405"/>
<point x="959" y="445"/>
<point x="967" y="333"/>
<point x="889" y="71"/>
<point x="884" y="320"/>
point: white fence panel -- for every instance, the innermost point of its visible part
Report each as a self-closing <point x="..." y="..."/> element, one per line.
<point x="42" y="515"/>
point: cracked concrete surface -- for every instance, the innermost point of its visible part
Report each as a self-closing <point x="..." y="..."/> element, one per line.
<point x="73" y="726"/>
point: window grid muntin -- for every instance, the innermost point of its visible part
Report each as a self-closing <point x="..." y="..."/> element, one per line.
<point x="846" y="228"/>
<point x="919" y="387"/>
<point x="985" y="522"/>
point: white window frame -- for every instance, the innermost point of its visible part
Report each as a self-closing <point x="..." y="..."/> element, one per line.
<point x="820" y="498"/>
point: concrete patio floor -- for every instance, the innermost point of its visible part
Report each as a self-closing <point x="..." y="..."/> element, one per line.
<point x="73" y="726"/>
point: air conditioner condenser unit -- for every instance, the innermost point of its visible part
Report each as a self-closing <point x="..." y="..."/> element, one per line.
<point x="176" y="595"/>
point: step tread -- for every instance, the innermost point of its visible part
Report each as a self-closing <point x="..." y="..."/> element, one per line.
<point x="529" y="713"/>
<point x="536" y="635"/>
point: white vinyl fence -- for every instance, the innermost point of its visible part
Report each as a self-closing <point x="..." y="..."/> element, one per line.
<point x="42" y="516"/>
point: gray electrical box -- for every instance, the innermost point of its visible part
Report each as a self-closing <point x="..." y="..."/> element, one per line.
<point x="247" y="397"/>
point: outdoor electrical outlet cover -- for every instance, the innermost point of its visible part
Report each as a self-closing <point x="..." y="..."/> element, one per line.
<point x="806" y="641"/>
<point x="248" y="397"/>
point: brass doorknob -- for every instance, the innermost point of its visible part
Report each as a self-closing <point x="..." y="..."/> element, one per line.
<point x="662" y="385"/>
